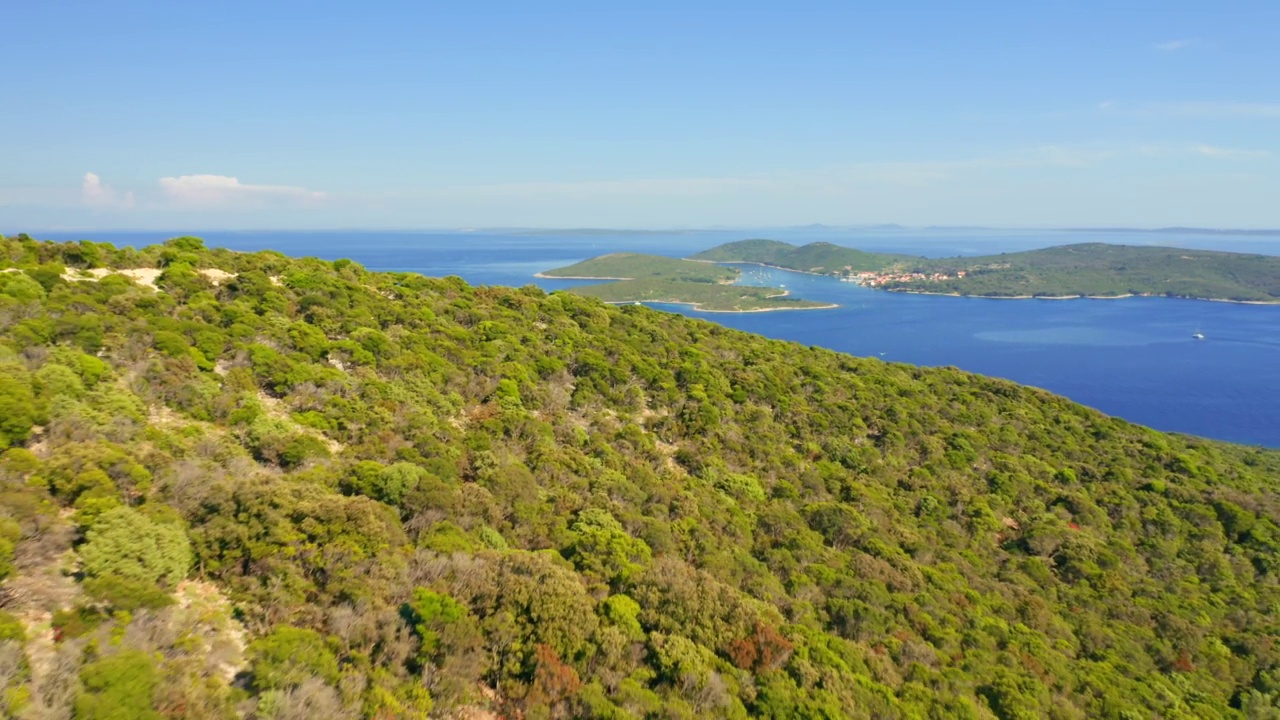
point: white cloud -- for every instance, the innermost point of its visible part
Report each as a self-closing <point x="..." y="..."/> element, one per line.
<point x="95" y="193"/>
<point x="206" y="191"/>
<point x="1228" y="153"/>
<point x="1174" y="45"/>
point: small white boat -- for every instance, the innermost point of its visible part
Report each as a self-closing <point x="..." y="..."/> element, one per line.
<point x="1197" y="335"/>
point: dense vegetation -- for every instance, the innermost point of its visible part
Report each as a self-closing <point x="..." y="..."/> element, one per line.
<point x="654" y="278"/>
<point x="1085" y="269"/>
<point x="634" y="266"/>
<point x="820" y="257"/>
<point x="1104" y="270"/>
<point x="299" y="489"/>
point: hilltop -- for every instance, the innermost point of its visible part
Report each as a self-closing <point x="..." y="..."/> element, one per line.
<point x="634" y="266"/>
<point x="822" y="258"/>
<point x="248" y="485"/>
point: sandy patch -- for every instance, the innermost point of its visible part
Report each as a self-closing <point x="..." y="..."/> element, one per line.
<point x="216" y="276"/>
<point x="208" y="614"/>
<point x="143" y="276"/>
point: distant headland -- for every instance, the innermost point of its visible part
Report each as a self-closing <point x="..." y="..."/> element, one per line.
<point x="1094" y="270"/>
<point x="707" y="287"/>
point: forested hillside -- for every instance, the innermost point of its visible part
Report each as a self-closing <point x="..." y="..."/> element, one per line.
<point x="244" y="485"/>
<point x="1083" y="269"/>
<point x="634" y="266"/>
<point x="1102" y="269"/>
<point x="652" y="278"/>
<point x="706" y="297"/>
<point x="817" y="257"/>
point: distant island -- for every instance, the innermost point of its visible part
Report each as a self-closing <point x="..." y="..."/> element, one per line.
<point x="1096" y="270"/>
<point x="707" y="287"/>
<point x="637" y="266"/>
<point x="820" y="258"/>
<point x="1247" y="232"/>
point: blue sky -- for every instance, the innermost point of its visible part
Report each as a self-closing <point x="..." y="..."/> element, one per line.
<point x="486" y="114"/>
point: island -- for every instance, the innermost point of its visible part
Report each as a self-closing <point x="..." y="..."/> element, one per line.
<point x="819" y="258"/>
<point x="1094" y="270"/>
<point x="1101" y="270"/>
<point x="634" y="266"/>
<point x="640" y="278"/>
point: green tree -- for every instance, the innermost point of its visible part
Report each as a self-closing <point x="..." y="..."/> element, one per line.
<point x="123" y="543"/>
<point x="601" y="548"/>
<point x="288" y="656"/>
<point x="185" y="243"/>
<point x="385" y="484"/>
<point x="118" y="687"/>
<point x="18" y="411"/>
<point x="20" y="287"/>
<point x="431" y="613"/>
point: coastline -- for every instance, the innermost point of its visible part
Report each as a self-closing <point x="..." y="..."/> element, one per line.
<point x="576" y="277"/>
<point x="909" y="292"/>
<point x="760" y="264"/>
<point x="699" y="308"/>
<point x="994" y="297"/>
<point x="1240" y="302"/>
<point x="1077" y="297"/>
<point x="694" y="305"/>
<point x="544" y="276"/>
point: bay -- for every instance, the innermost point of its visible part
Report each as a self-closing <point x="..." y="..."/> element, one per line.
<point x="1134" y="357"/>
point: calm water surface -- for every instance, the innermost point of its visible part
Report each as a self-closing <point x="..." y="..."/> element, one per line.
<point x="1134" y="358"/>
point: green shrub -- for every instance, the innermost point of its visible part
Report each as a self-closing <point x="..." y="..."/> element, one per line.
<point x="288" y="656"/>
<point x="118" y="687"/>
<point x="125" y="544"/>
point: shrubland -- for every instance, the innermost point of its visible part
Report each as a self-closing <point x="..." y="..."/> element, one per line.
<point x="296" y="488"/>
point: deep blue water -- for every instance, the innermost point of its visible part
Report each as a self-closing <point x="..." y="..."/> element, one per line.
<point x="1134" y="358"/>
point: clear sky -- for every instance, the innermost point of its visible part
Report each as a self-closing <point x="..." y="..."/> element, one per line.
<point x="425" y="114"/>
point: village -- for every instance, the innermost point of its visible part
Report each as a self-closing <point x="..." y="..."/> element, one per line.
<point x="872" y="278"/>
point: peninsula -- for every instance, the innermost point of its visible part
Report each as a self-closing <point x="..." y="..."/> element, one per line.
<point x="635" y="266"/>
<point x="1098" y="270"/>
<point x="638" y="278"/>
<point x="820" y="258"/>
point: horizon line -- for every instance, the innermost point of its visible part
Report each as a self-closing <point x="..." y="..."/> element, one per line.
<point x="515" y="229"/>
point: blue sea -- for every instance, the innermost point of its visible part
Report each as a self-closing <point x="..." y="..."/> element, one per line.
<point x="1134" y="357"/>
